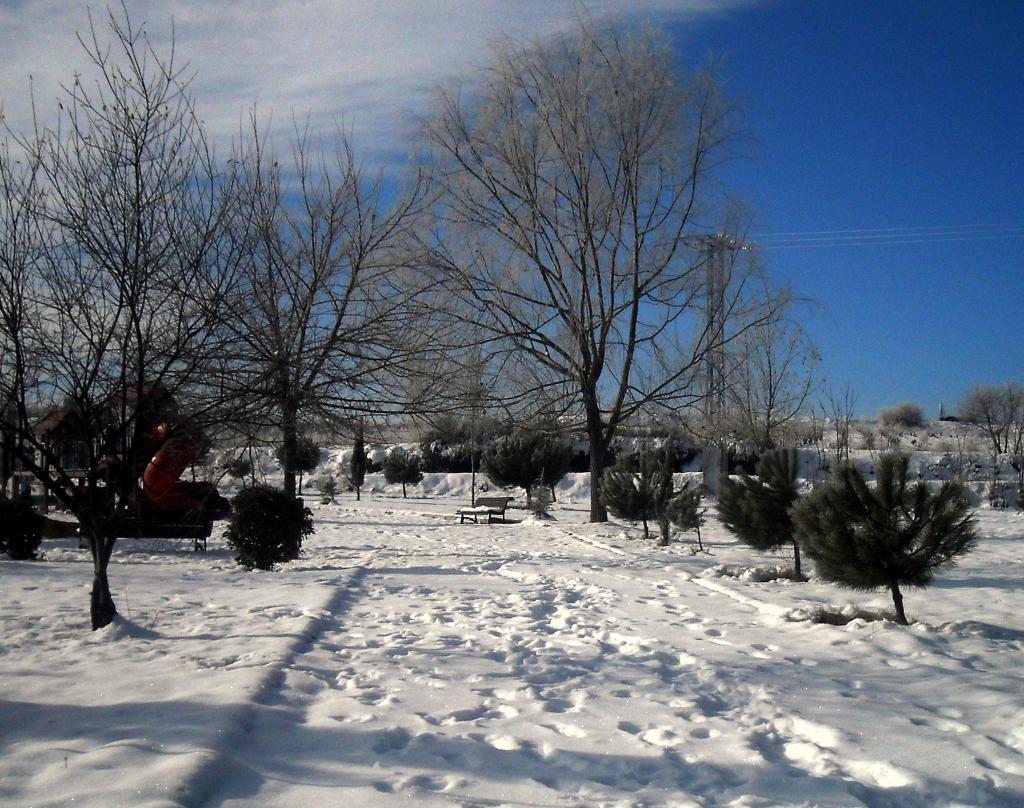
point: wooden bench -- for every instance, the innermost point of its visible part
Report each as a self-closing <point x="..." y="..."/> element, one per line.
<point x="485" y="506"/>
<point x="134" y="527"/>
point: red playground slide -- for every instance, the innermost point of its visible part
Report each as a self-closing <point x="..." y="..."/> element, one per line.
<point x="161" y="483"/>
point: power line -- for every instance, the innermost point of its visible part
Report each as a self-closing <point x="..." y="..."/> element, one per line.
<point x="885" y="236"/>
<point x="937" y="227"/>
<point x="883" y="242"/>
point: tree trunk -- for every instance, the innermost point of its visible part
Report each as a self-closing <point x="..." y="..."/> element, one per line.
<point x="796" y="558"/>
<point x="598" y="513"/>
<point x="403" y="492"/>
<point x="289" y="446"/>
<point x="647" y="532"/>
<point x="897" y="600"/>
<point x="663" y="523"/>
<point x="357" y="492"/>
<point x="101" y="602"/>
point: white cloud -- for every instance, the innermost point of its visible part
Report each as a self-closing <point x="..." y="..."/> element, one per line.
<point x="367" y="64"/>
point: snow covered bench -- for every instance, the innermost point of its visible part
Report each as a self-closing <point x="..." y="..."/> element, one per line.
<point x="485" y="506"/>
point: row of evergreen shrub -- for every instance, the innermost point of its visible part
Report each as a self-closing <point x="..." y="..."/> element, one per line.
<point x="897" y="532"/>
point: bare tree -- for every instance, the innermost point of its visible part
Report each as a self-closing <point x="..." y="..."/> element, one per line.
<point x="839" y="408"/>
<point x="572" y="176"/>
<point x="21" y="237"/>
<point x="998" y="411"/>
<point x="772" y="380"/>
<point x="325" y="321"/>
<point x="114" y="268"/>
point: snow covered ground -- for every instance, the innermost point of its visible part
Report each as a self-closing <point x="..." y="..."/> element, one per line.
<point x="406" y="659"/>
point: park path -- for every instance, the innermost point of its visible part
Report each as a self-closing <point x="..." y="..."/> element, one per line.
<point x="481" y="666"/>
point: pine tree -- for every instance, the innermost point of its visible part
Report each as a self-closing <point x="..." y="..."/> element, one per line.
<point x="357" y="463"/>
<point x="403" y="468"/>
<point x="896" y="532"/>
<point x="683" y="511"/>
<point x="757" y="509"/>
<point x="641" y="495"/>
<point x="527" y="458"/>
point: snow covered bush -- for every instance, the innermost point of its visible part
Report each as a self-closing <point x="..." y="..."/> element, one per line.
<point x="897" y="532"/>
<point x="400" y="467"/>
<point x="21" y="529"/>
<point x="757" y="510"/>
<point x="267" y="527"/>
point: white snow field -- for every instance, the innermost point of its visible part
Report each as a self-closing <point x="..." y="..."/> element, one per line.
<point x="406" y="660"/>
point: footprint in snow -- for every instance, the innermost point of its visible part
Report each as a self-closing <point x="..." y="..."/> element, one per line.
<point x="392" y="740"/>
<point x="567" y="730"/>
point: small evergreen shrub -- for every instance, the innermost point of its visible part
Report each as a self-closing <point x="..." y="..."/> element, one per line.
<point x="643" y="495"/>
<point x="683" y="510"/>
<point x="403" y="468"/>
<point x="267" y="527"/>
<point x="897" y="532"/>
<point x="21" y="529"/>
<point x="239" y="468"/>
<point x="540" y="501"/>
<point x="907" y="414"/>
<point x="757" y="510"/>
<point x="328" y="489"/>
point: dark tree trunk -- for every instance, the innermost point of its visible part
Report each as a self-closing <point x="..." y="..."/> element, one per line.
<point x="647" y="532"/>
<point x="403" y="492"/>
<point x="663" y="523"/>
<point x="598" y="513"/>
<point x="101" y="602"/>
<point x="700" y="544"/>
<point x="289" y="446"/>
<point x="897" y="600"/>
<point x="796" y="558"/>
<point x="357" y="493"/>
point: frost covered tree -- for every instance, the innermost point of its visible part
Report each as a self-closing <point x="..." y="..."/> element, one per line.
<point x="998" y="411"/>
<point x="574" y="176"/>
<point x="757" y="509"/>
<point x="772" y="380"/>
<point x="895" y="532"/>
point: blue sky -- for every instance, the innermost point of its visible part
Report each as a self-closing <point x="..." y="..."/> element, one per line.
<point x="876" y="115"/>
<point x="863" y="116"/>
